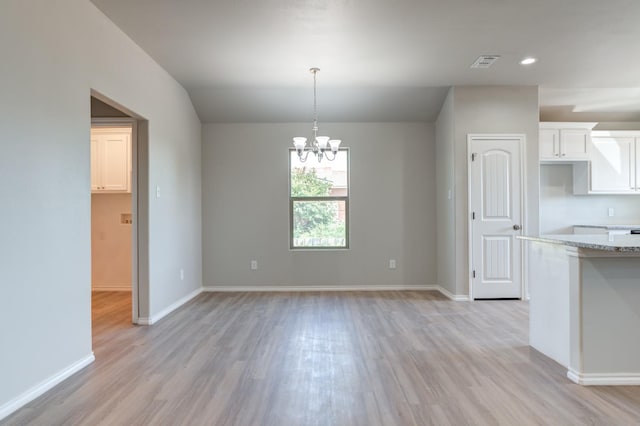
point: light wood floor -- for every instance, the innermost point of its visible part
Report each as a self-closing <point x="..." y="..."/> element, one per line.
<point x="370" y="358"/>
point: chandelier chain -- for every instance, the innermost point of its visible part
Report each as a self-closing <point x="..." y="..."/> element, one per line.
<point x="315" y="102"/>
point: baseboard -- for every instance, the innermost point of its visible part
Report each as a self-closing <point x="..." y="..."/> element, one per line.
<point x="456" y="297"/>
<point x="166" y="311"/>
<point x="604" y="379"/>
<point x="276" y="288"/>
<point x="112" y="287"/>
<point x="279" y="288"/>
<point x="16" y="403"/>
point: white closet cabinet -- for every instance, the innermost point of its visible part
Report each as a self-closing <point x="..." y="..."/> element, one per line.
<point x="110" y="159"/>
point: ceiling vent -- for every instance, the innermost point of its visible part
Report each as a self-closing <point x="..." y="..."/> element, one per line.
<point x="485" y="61"/>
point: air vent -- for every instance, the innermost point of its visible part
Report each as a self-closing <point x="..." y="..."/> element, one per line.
<point x="485" y="61"/>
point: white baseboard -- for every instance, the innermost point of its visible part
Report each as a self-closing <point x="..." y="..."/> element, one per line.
<point x="166" y="311"/>
<point x="111" y="287"/>
<point x="303" y="288"/>
<point x="604" y="379"/>
<point x="355" y="287"/>
<point x="456" y="297"/>
<point x="16" y="403"/>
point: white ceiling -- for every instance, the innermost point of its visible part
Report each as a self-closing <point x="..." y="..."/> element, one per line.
<point x="382" y="60"/>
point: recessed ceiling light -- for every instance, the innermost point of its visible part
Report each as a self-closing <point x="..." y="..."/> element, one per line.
<point x="528" y="61"/>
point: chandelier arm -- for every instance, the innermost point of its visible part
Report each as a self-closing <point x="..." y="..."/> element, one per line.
<point x="326" y="155"/>
<point x="303" y="158"/>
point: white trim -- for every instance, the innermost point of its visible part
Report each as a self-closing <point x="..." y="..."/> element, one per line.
<point x="604" y="379"/>
<point x="31" y="394"/>
<point x="166" y="311"/>
<point x="111" y="287"/>
<point x="455" y="297"/>
<point x="305" y="288"/>
<point x="283" y="288"/>
<point x="522" y="140"/>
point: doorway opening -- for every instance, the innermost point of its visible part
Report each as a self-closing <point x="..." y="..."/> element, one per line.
<point x="119" y="217"/>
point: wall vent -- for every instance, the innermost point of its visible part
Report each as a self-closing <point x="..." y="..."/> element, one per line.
<point x="485" y="61"/>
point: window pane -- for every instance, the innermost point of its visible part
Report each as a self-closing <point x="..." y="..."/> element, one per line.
<point x="319" y="223"/>
<point x="319" y="179"/>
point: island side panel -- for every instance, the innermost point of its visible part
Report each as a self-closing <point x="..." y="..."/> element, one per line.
<point x="549" y="300"/>
<point x="611" y="315"/>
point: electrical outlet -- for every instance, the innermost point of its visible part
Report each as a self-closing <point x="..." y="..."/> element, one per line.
<point x="181" y="274"/>
<point x="611" y="212"/>
<point x="254" y="265"/>
<point x="392" y="264"/>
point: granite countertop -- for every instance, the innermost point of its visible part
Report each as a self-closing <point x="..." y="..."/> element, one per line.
<point x="620" y="243"/>
<point x="610" y="227"/>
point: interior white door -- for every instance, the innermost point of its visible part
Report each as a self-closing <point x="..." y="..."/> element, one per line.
<point x="495" y="186"/>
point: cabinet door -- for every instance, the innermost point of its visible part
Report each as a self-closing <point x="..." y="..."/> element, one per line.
<point x="115" y="162"/>
<point x="612" y="164"/>
<point x="96" y="181"/>
<point x="549" y="146"/>
<point x="574" y="144"/>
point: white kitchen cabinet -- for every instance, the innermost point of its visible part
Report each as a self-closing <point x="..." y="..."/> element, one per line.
<point x="614" y="166"/>
<point x="110" y="159"/>
<point x="564" y="141"/>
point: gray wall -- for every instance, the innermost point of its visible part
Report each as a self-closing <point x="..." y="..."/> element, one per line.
<point x="246" y="216"/>
<point x="480" y="109"/>
<point x="53" y="54"/>
<point x="445" y="195"/>
<point x="492" y="109"/>
<point x="560" y="209"/>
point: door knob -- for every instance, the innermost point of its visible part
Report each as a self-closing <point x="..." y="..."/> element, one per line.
<point x="516" y="227"/>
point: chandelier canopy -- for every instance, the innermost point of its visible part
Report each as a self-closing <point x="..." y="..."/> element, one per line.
<point x="320" y="146"/>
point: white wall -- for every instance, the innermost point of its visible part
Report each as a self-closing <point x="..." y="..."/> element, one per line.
<point x="246" y="210"/>
<point x="445" y="200"/>
<point x="53" y="53"/>
<point x="560" y="209"/>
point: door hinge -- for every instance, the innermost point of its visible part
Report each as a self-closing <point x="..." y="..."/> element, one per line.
<point x="473" y="156"/>
<point x="474" y="274"/>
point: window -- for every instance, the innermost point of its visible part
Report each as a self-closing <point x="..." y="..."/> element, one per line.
<point x="319" y="201"/>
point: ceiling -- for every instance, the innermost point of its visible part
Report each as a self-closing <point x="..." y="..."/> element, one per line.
<point x="381" y="60"/>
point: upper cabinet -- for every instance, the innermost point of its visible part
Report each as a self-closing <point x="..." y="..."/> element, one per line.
<point x="110" y="159"/>
<point x="614" y="167"/>
<point x="564" y="141"/>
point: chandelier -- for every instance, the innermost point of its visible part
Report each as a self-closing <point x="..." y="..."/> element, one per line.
<point x="320" y="146"/>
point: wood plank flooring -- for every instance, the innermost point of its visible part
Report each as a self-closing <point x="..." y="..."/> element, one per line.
<point x="354" y="358"/>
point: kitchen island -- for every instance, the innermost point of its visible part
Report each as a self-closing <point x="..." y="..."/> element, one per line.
<point x="585" y="305"/>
